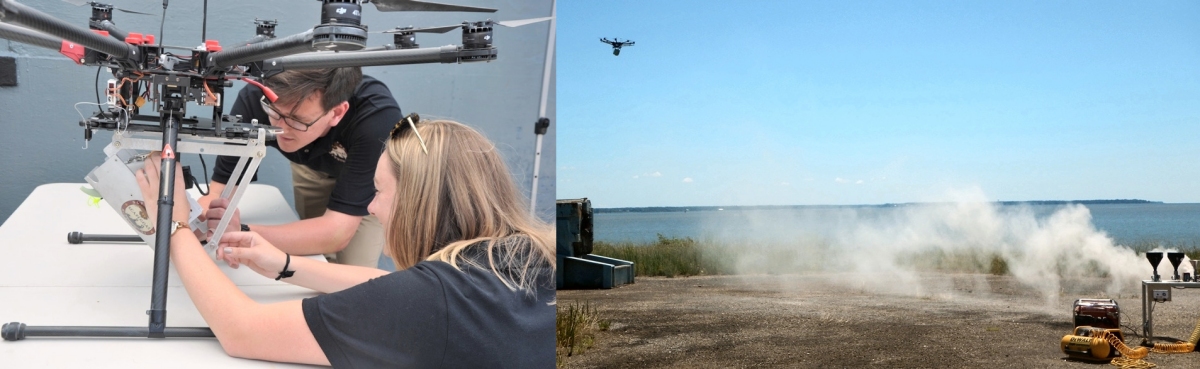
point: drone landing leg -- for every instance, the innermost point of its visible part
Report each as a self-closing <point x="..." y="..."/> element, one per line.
<point x="76" y="238"/>
<point x="158" y="300"/>
<point x="16" y="331"/>
<point x="173" y="108"/>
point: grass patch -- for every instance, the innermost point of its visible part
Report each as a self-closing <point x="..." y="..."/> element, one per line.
<point x="1191" y="249"/>
<point x="960" y="261"/>
<point x="668" y="256"/>
<point x="575" y="327"/>
<point x="682" y="257"/>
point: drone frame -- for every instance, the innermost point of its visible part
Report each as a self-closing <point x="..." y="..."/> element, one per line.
<point x="201" y="79"/>
<point x="616" y="44"/>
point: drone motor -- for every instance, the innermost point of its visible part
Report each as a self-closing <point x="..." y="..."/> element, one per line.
<point x="101" y="12"/>
<point x="265" y="28"/>
<point x="341" y="27"/>
<point x="477" y="35"/>
<point x="405" y="40"/>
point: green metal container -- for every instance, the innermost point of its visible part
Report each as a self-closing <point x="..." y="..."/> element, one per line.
<point x="577" y="267"/>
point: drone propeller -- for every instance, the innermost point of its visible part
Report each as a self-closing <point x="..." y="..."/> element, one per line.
<point x="94" y="3"/>
<point x="424" y="6"/>
<point x="410" y="29"/>
<point x="522" y="22"/>
<point x="444" y="29"/>
<point x="476" y="35"/>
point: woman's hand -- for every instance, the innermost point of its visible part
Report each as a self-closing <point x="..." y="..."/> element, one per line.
<point x="148" y="179"/>
<point x="251" y="249"/>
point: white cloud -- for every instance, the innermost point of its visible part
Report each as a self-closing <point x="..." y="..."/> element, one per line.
<point x="784" y="184"/>
<point x="840" y="180"/>
<point x="655" y="174"/>
<point x="635" y="177"/>
<point x="859" y="182"/>
<point x="687" y="180"/>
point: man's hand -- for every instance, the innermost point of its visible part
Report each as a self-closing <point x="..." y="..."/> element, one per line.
<point x="214" y="192"/>
<point x="216" y="210"/>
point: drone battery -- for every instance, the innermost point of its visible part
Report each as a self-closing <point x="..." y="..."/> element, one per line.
<point x="1102" y="313"/>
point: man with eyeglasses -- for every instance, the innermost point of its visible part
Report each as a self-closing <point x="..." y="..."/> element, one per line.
<point x="334" y="123"/>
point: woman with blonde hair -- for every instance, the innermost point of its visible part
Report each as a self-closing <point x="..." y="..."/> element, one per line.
<point x="474" y="286"/>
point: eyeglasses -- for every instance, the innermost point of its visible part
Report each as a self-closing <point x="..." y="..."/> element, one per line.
<point x="411" y="120"/>
<point x="291" y="121"/>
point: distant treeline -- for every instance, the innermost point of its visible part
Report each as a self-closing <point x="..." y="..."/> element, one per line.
<point x="662" y="209"/>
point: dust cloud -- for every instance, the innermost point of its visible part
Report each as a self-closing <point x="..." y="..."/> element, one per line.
<point x="884" y="249"/>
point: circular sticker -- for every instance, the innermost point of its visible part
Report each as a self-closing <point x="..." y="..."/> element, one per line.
<point x="135" y="212"/>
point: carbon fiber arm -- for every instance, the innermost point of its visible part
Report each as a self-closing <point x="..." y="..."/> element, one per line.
<point x="297" y="43"/>
<point x="28" y="36"/>
<point x="444" y="54"/>
<point x="14" y="12"/>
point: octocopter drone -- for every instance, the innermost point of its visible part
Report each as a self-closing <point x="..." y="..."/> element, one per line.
<point x="150" y="76"/>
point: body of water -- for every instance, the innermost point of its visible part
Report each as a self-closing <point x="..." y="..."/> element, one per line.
<point x="1124" y="223"/>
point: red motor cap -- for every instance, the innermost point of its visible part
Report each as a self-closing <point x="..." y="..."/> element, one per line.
<point x="149" y="39"/>
<point x="212" y="46"/>
<point x="134" y="38"/>
<point x="101" y="32"/>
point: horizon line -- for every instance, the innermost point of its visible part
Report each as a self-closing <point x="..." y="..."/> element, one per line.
<point x="1001" y="202"/>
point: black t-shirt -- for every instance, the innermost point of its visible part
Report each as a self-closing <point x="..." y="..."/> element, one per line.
<point x="435" y="316"/>
<point x="348" y="152"/>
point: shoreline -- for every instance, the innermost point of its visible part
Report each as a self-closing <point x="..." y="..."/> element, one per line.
<point x="671" y="209"/>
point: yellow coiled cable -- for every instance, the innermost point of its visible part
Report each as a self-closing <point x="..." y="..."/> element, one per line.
<point x="1180" y="347"/>
<point x="1127" y="351"/>
<point x="1133" y="358"/>
<point x="1195" y="338"/>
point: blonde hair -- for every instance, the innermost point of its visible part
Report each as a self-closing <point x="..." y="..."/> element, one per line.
<point x="457" y="195"/>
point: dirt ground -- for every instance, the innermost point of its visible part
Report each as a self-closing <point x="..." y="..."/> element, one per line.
<point x="805" y="321"/>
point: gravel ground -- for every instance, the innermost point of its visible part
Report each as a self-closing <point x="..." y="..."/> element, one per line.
<point x="807" y="321"/>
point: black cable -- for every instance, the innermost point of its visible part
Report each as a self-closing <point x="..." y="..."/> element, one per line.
<point x="1125" y="324"/>
<point x="162" y="21"/>
<point x="97" y="84"/>
<point x="1146" y="323"/>
<point x="207" y="187"/>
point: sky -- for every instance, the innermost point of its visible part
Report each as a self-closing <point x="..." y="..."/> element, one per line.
<point x="872" y="102"/>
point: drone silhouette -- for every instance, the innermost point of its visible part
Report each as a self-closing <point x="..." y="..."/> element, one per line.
<point x="616" y="44"/>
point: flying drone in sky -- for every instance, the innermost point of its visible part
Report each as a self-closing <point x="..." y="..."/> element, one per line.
<point x="616" y="44"/>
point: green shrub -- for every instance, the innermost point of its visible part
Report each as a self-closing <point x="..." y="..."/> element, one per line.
<point x="668" y="256"/>
<point x="673" y="256"/>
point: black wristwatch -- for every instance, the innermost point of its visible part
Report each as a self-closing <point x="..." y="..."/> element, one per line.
<point x="245" y="228"/>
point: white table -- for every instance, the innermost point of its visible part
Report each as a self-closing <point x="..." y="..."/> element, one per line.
<point x="45" y="281"/>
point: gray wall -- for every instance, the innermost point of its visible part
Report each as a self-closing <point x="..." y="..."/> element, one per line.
<point x="41" y="141"/>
